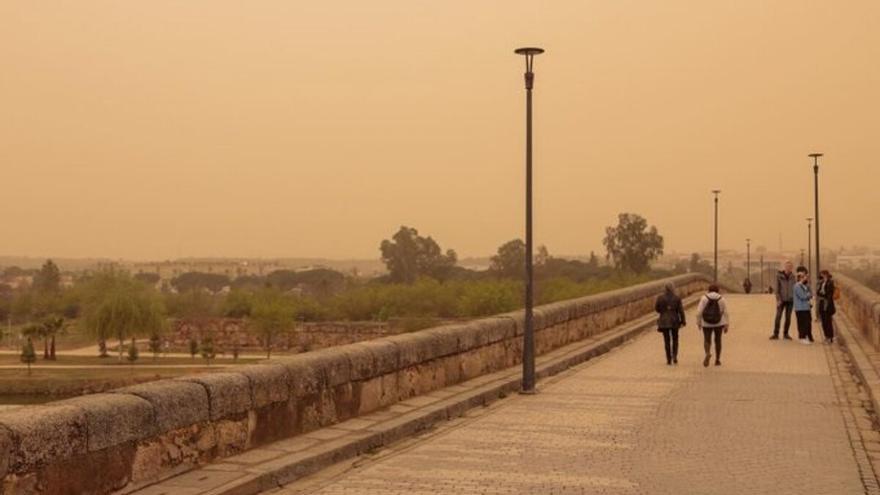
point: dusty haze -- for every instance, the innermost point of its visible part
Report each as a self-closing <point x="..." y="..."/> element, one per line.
<point x="160" y="129"/>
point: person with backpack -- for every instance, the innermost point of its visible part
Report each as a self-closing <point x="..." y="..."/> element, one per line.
<point x="785" y="281"/>
<point x="803" y="305"/>
<point x="713" y="320"/>
<point x="671" y="319"/>
<point x="827" y="294"/>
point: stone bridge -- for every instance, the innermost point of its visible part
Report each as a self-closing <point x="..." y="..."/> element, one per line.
<point x="402" y="414"/>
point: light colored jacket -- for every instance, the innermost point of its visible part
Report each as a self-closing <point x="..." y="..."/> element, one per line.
<point x="803" y="297"/>
<point x="725" y="316"/>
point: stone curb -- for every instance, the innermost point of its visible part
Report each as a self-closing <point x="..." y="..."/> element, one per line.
<point x="486" y="389"/>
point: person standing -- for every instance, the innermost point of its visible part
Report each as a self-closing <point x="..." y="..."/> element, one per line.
<point x="803" y="304"/>
<point x="785" y="282"/>
<point x="827" y="294"/>
<point x="713" y="320"/>
<point x="671" y="318"/>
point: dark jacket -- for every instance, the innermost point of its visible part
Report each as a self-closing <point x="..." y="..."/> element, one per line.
<point x="671" y="311"/>
<point x="825" y="295"/>
<point x="785" y="287"/>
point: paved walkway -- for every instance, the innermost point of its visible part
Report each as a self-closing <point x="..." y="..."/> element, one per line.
<point x="770" y="420"/>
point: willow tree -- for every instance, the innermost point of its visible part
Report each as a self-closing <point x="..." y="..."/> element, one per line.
<point x="272" y="314"/>
<point x="115" y="305"/>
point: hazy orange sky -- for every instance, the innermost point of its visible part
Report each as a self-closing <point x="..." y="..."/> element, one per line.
<point x="159" y="129"/>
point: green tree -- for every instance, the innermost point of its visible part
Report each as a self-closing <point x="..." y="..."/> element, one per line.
<point x="190" y="281"/>
<point x="510" y="262"/>
<point x="117" y="306"/>
<point x="238" y="304"/>
<point x="193" y="347"/>
<point x="407" y="255"/>
<point x="155" y="345"/>
<point x="272" y="315"/>
<point x="148" y="278"/>
<point x="698" y="265"/>
<point x="207" y="349"/>
<point x="28" y="356"/>
<point x="632" y="245"/>
<point x="133" y="353"/>
<point x="48" y="279"/>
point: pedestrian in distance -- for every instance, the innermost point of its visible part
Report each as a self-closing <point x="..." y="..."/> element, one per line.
<point x="827" y="294"/>
<point x="670" y="320"/>
<point x="714" y="320"/>
<point x="785" y="282"/>
<point x="747" y="286"/>
<point x="803" y="304"/>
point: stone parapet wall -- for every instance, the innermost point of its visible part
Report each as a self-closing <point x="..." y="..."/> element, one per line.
<point x="118" y="441"/>
<point x="862" y="306"/>
<point x="229" y="332"/>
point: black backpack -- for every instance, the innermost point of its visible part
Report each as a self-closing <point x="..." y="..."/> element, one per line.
<point x="712" y="311"/>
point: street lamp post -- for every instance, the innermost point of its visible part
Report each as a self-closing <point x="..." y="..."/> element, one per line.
<point x="762" y="273"/>
<point x="810" y="244"/>
<point x="528" y="361"/>
<point x="815" y="157"/>
<point x="716" y="192"/>
<point x="749" y="261"/>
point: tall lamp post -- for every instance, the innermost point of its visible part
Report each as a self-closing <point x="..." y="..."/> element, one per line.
<point x="716" y="192"/>
<point x="763" y="288"/>
<point x="810" y="245"/>
<point x="528" y="361"/>
<point x="815" y="157"/>
<point x="749" y="261"/>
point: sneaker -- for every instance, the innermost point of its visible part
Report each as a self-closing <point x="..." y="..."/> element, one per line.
<point x="805" y="342"/>
<point x="706" y="360"/>
<point x="786" y="337"/>
<point x="717" y="362"/>
<point x="774" y="337"/>
<point x="674" y="360"/>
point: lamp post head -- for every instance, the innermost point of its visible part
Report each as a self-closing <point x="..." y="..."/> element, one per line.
<point x="815" y="157"/>
<point x="529" y="53"/>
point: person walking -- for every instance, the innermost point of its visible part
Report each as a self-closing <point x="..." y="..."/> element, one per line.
<point x="827" y="295"/>
<point x="671" y="318"/>
<point x="713" y="320"/>
<point x="785" y="282"/>
<point x="803" y="304"/>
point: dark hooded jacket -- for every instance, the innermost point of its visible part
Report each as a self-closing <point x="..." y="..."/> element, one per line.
<point x="671" y="311"/>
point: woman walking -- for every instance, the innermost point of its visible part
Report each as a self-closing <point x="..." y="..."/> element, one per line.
<point x="803" y="303"/>
<point x="671" y="319"/>
<point x="713" y="320"/>
<point x="826" y="294"/>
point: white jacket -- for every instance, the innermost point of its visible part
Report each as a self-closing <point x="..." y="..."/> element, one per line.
<point x="725" y="317"/>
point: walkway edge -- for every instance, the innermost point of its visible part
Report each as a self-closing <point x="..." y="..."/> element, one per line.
<point x="853" y="346"/>
<point x="483" y="390"/>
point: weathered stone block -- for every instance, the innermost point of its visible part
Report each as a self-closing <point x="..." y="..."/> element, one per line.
<point x="229" y="393"/>
<point x="415" y="348"/>
<point x="5" y="451"/>
<point x="270" y="383"/>
<point x="273" y="422"/>
<point x="114" y="419"/>
<point x="176" y="403"/>
<point x="331" y="366"/>
<point x="373" y="358"/>
<point x="44" y="434"/>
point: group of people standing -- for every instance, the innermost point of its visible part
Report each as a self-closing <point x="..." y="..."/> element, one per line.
<point x="793" y="293"/>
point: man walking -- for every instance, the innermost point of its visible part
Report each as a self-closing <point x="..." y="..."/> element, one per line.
<point x="785" y="282"/>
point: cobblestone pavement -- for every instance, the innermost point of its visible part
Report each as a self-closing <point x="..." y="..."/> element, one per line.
<point x="770" y="420"/>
